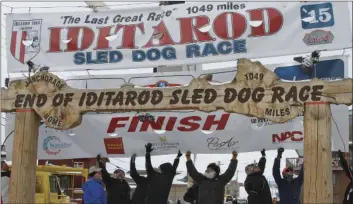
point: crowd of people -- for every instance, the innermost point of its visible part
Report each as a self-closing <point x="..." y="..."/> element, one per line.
<point x="206" y="188"/>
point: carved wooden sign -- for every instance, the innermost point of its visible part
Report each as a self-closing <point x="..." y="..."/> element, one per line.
<point x="255" y="91"/>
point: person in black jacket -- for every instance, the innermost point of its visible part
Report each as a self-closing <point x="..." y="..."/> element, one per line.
<point x="289" y="188"/>
<point x="159" y="183"/>
<point x="192" y="193"/>
<point x="117" y="188"/>
<point x="256" y="184"/>
<point x="141" y="183"/>
<point x="348" y="195"/>
<point x="211" y="183"/>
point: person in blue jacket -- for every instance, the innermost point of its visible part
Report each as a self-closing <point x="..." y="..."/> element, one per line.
<point x="289" y="188"/>
<point x="93" y="190"/>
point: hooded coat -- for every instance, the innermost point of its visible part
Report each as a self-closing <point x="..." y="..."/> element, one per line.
<point x="257" y="187"/>
<point x="211" y="191"/>
<point x="118" y="190"/>
<point x="191" y="195"/>
<point x="93" y="192"/>
<point x="348" y="194"/>
<point x="159" y="184"/>
<point x="141" y="185"/>
<point x="289" y="191"/>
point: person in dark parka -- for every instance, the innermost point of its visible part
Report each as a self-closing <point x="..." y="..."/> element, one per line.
<point x="159" y="183"/>
<point x="117" y="188"/>
<point x="348" y="195"/>
<point x="211" y="183"/>
<point x="192" y="193"/>
<point x="289" y="188"/>
<point x="256" y="184"/>
<point x="141" y="183"/>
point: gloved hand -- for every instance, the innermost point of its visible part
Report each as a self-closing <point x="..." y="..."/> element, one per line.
<point x="187" y="155"/>
<point x="149" y="148"/>
<point x="133" y="158"/>
<point x="263" y="152"/>
<point x="235" y="154"/>
<point x="279" y="152"/>
<point x="179" y="154"/>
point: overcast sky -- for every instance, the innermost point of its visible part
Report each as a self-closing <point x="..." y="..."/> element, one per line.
<point x="202" y="160"/>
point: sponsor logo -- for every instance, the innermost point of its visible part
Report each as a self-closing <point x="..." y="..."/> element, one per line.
<point x="260" y="122"/>
<point x="162" y="83"/>
<point x="114" y="145"/>
<point x="288" y="137"/>
<point x="215" y="143"/>
<point x="164" y="144"/>
<point x="317" y="15"/>
<point x="52" y="145"/>
<point x="25" y="39"/>
<point x="318" y="37"/>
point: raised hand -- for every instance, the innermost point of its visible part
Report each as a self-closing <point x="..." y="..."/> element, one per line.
<point x="235" y="154"/>
<point x="179" y="154"/>
<point x="149" y="148"/>
<point x="263" y="152"/>
<point x="188" y="154"/>
<point x="279" y="152"/>
<point x="133" y="158"/>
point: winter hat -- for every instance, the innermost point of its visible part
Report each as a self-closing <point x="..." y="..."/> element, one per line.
<point x="119" y="170"/>
<point x="285" y="170"/>
<point x="215" y="167"/>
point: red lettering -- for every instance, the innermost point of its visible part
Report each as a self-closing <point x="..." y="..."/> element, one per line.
<point x="102" y="42"/>
<point x="129" y="31"/>
<point x="133" y="125"/>
<point x="73" y="34"/>
<point x="165" y="38"/>
<point x="188" y="121"/>
<point x="284" y="136"/>
<point x="188" y="30"/>
<point x="221" y="124"/>
<point x="54" y="37"/>
<point x="156" y="125"/>
<point x="171" y="123"/>
<point x="114" y="124"/>
<point x="275" y="21"/>
<point x="238" y="23"/>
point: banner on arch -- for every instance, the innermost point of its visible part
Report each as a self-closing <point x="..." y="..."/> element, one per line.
<point x="188" y="33"/>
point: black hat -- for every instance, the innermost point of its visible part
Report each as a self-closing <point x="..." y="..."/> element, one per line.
<point x="117" y="170"/>
<point x="215" y="167"/>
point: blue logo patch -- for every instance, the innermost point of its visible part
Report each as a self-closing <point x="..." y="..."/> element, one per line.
<point x="317" y="16"/>
<point x="326" y="70"/>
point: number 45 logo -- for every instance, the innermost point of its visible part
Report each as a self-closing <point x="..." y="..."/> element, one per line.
<point x="317" y="16"/>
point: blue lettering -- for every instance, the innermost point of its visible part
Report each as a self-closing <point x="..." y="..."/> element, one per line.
<point x="209" y="49"/>
<point x="239" y="46"/>
<point x="153" y="54"/>
<point x="138" y="56"/>
<point x="224" y="47"/>
<point x="192" y="50"/>
<point x="169" y="53"/>
<point x="101" y="57"/>
<point x="115" y="56"/>
<point x="79" y="58"/>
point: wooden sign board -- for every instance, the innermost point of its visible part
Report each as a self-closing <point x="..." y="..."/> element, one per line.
<point x="255" y="91"/>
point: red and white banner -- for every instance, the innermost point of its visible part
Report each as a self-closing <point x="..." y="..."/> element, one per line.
<point x="188" y="33"/>
<point x="122" y="134"/>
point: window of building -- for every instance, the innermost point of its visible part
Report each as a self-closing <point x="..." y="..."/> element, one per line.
<point x="78" y="164"/>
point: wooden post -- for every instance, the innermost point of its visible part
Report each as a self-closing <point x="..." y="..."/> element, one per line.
<point x="317" y="153"/>
<point x="24" y="157"/>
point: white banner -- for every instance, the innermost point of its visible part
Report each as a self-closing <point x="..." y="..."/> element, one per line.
<point x="188" y="33"/>
<point x="122" y="134"/>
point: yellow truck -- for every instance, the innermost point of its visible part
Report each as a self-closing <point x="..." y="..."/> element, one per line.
<point x="59" y="184"/>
